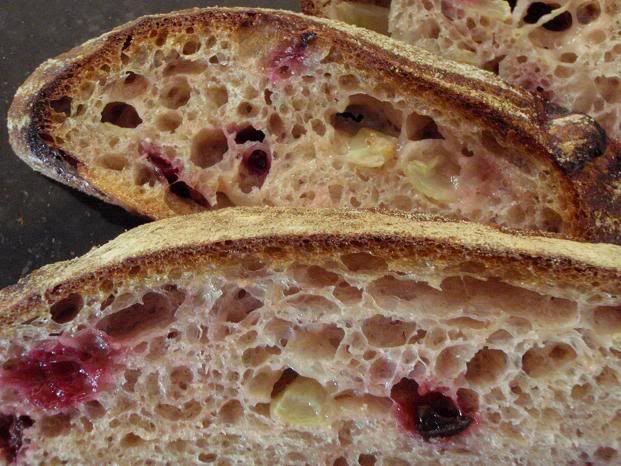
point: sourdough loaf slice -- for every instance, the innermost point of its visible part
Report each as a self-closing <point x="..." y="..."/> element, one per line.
<point x="210" y="108"/>
<point x="274" y="336"/>
<point x="567" y="50"/>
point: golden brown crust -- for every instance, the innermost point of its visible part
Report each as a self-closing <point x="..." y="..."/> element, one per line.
<point x="196" y="243"/>
<point x="514" y="116"/>
<point x="320" y="7"/>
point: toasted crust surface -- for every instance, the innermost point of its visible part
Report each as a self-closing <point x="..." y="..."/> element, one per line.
<point x="214" y="239"/>
<point x="589" y="171"/>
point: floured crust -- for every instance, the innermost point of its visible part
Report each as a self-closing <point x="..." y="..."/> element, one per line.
<point x="212" y="240"/>
<point x="513" y="115"/>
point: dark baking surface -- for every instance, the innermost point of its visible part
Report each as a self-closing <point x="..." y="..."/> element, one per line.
<point x="43" y="221"/>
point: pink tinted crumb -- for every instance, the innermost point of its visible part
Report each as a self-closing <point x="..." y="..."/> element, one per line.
<point x="170" y="169"/>
<point x="59" y="373"/>
<point x="290" y="59"/>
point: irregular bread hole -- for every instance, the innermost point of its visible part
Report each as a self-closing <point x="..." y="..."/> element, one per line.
<point x="468" y="401"/>
<point x="363" y="261"/>
<point x="208" y="147"/>
<point x="207" y="457"/>
<point x="340" y="461"/>
<point x="144" y="175"/>
<point x="486" y="367"/>
<point x="94" y="409"/>
<point x="349" y="82"/>
<point x="235" y="304"/>
<point x="254" y="357"/>
<point x="131" y="440"/>
<point x="62" y="105"/>
<point x="568" y="57"/>
<point x="260" y="386"/>
<point x="67" y="309"/>
<point x="120" y="114"/>
<point x="364" y="111"/>
<point x="134" y="85"/>
<point x="316" y="342"/>
<point x="253" y="170"/>
<point x="247" y="110"/>
<point x="607" y="319"/>
<point x="181" y="66"/>
<point x="156" y="311"/>
<point x="284" y="380"/>
<point x="181" y="377"/>
<point x="313" y="276"/>
<point x="276" y="126"/>
<point x="218" y="95"/>
<point x="168" y="121"/>
<point x="385" y="288"/>
<point x="131" y="378"/>
<point x="450" y="362"/>
<point x="384" y="332"/>
<point x="419" y="127"/>
<point x="367" y="460"/>
<point x="54" y="426"/>
<point x="382" y="370"/>
<point x="347" y="293"/>
<point x="538" y="10"/>
<point x="176" y="93"/>
<point x="191" y="46"/>
<point x="606" y="454"/>
<point x="318" y="127"/>
<point x="115" y="162"/>
<point x="539" y="362"/>
<point x="588" y="12"/>
<point x="298" y="131"/>
<point x="249" y="133"/>
<point x="466" y="322"/>
<point x="609" y="88"/>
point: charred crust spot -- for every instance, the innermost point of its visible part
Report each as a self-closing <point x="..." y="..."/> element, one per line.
<point x="307" y="38"/>
<point x="578" y="138"/>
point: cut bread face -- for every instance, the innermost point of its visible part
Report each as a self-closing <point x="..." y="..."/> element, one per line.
<point x="250" y="336"/>
<point x="569" y="51"/>
<point x="214" y="108"/>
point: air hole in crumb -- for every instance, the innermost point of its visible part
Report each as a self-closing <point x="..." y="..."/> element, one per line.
<point x="67" y="308"/>
<point x="54" y="426"/>
<point x="365" y="111"/>
<point x="176" y="93"/>
<point x="288" y="376"/>
<point x="588" y="12"/>
<point x="249" y="133"/>
<point x="276" y="126"/>
<point x="218" y="95"/>
<point x="385" y="332"/>
<point x="235" y="305"/>
<point x="340" y="461"/>
<point x="181" y="66"/>
<point x="168" y="121"/>
<point x="538" y="10"/>
<point x="539" y="362"/>
<point x="115" y="162"/>
<point x="120" y="114"/>
<point x="208" y="147"/>
<point x="361" y="261"/>
<point x="246" y="109"/>
<point x="156" y="311"/>
<point x="253" y="170"/>
<point x="486" y="366"/>
<point x="419" y="127"/>
<point x="315" y="343"/>
<point x="298" y="131"/>
<point x="231" y="412"/>
<point x="191" y="46"/>
<point x="134" y="85"/>
<point x="367" y="460"/>
<point x="62" y="105"/>
<point x="131" y="440"/>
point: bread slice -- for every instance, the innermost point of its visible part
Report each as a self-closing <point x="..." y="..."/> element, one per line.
<point x="569" y="51"/>
<point x="275" y="336"/>
<point x="209" y="108"/>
